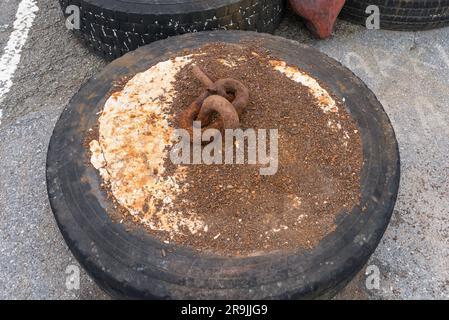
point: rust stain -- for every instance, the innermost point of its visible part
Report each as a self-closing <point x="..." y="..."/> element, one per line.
<point x="326" y="102"/>
<point x="133" y="143"/>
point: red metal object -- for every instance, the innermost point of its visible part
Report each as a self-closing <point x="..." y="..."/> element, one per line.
<point x="319" y="14"/>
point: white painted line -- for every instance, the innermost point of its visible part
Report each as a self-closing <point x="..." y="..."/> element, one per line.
<point x="26" y="12"/>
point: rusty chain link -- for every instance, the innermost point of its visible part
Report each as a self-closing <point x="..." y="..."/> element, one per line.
<point x="228" y="97"/>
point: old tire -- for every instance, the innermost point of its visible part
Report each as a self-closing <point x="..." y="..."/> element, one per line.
<point x="406" y="15"/>
<point x="112" y="28"/>
<point x="129" y="264"/>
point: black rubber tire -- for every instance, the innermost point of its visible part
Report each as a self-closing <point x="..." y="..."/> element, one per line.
<point x="129" y="264"/>
<point x="405" y="15"/>
<point x="112" y="28"/>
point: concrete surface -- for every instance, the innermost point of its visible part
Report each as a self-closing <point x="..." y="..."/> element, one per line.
<point x="409" y="73"/>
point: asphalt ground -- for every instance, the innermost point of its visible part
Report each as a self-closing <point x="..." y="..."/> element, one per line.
<point x="408" y="71"/>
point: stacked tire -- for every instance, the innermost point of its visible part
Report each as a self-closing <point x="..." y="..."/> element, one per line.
<point x="114" y="27"/>
<point x="406" y="15"/>
<point x="127" y="263"/>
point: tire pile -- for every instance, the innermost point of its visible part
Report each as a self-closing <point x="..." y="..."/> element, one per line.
<point x="130" y="263"/>
<point x="112" y="28"/>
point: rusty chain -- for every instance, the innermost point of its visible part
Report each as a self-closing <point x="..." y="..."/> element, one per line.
<point x="228" y="97"/>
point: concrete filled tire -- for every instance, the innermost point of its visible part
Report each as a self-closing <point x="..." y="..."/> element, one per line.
<point x="112" y="28"/>
<point x="406" y="15"/>
<point x="129" y="264"/>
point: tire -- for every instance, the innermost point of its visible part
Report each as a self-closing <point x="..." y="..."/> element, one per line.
<point x="112" y="28"/>
<point x="129" y="264"/>
<point x="406" y="15"/>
